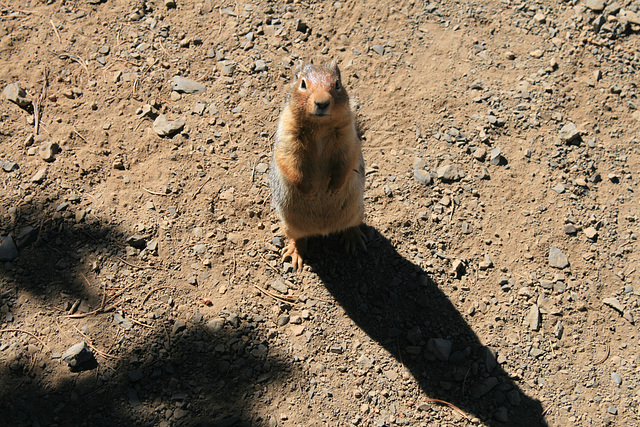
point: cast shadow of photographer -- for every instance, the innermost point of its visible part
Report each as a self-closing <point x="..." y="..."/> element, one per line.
<point x="396" y="303"/>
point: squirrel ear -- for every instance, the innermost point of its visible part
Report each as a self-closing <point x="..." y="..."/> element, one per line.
<point x="333" y="66"/>
<point x="297" y="69"/>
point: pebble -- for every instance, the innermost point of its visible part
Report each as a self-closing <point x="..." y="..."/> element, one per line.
<point x="259" y="66"/>
<point x="616" y="378"/>
<point x="595" y="5"/>
<point x="569" y="133"/>
<point x="496" y="158"/>
<point x="591" y="233"/>
<point x="185" y="85"/>
<point x="78" y="356"/>
<point x="40" y="175"/>
<point x="613" y="303"/>
<point x="533" y="318"/>
<point x="378" y="48"/>
<point x="557" y="259"/>
<point x="8" y="250"/>
<point x="422" y="177"/>
<point x="48" y="151"/>
<point x="440" y="348"/>
<point x="215" y="325"/>
<point x="164" y="127"/>
<point x="449" y="173"/>
<point x="8" y="166"/>
<point x="484" y="387"/>
<point x="16" y="94"/>
<point x="120" y="320"/>
<point x="280" y="286"/>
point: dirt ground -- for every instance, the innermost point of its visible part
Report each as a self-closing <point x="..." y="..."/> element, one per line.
<point x="501" y="281"/>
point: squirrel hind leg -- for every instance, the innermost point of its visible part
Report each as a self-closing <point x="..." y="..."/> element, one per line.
<point x="295" y="250"/>
<point x="354" y="237"/>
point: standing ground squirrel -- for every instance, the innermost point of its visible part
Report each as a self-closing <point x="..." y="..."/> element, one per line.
<point x="317" y="171"/>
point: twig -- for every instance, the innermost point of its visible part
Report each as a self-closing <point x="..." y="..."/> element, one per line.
<point x="154" y="290"/>
<point x="153" y="192"/>
<point x="605" y="357"/>
<point x="74" y="58"/>
<point x="90" y="344"/>
<point x="78" y="133"/>
<point x="55" y="30"/>
<point x="144" y="267"/>
<point x="165" y="51"/>
<point x="28" y="333"/>
<point x="450" y="405"/>
<point x="103" y="308"/>
<point x="200" y="188"/>
<point x="285" y="299"/>
<point x="38" y="104"/>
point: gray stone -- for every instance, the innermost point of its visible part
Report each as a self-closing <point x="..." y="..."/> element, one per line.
<point x="422" y="177"/>
<point x="480" y="153"/>
<point x="448" y="173"/>
<point x="501" y="414"/>
<point x="259" y="66"/>
<point x="591" y="233"/>
<point x="616" y="378"/>
<point x="364" y="362"/>
<point x="164" y="127"/>
<point x="414" y="335"/>
<point x="48" y="151"/>
<point x="14" y="93"/>
<point x="227" y="67"/>
<point x="8" y="166"/>
<point x="559" y="188"/>
<point x="496" y="158"/>
<point x="558" y="330"/>
<point x="40" y="175"/>
<point x="8" y="250"/>
<point x="569" y="133"/>
<point x="77" y="355"/>
<point x="440" y="347"/>
<point x="215" y="325"/>
<point x="613" y="303"/>
<point x="557" y="259"/>
<point x="137" y="241"/>
<point x="280" y="286"/>
<point x="120" y="320"/>
<point x="184" y="85"/>
<point x="533" y="318"/>
<point x="595" y="5"/>
<point x="378" y="48"/>
<point x="484" y="387"/>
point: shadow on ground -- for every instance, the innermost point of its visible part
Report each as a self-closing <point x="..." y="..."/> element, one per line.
<point x="169" y="373"/>
<point x="399" y="306"/>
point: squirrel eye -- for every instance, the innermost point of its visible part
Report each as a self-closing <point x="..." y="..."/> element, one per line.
<point x="303" y="84"/>
<point x="338" y="85"/>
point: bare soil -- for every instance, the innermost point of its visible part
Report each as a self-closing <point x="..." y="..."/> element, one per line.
<point x="162" y="254"/>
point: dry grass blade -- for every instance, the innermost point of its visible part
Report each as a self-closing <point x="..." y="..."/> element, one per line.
<point x="154" y="290"/>
<point x="450" y="405"/>
<point x="90" y="344"/>
<point x="282" y="298"/>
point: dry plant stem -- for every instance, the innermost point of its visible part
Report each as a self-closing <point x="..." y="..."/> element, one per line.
<point x="450" y="405"/>
<point x="200" y="188"/>
<point x="26" y="12"/>
<point x="90" y="343"/>
<point x="154" y="290"/>
<point x="143" y="267"/>
<point x="28" y="333"/>
<point x="55" y="30"/>
<point x="154" y="192"/>
<point x="288" y="300"/>
<point x="605" y="357"/>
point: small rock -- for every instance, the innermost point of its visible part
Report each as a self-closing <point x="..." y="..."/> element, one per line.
<point x="613" y="303"/>
<point x="440" y="347"/>
<point x="185" y="85"/>
<point x="378" y="48"/>
<point x="449" y="173"/>
<point x="595" y="5"/>
<point x="259" y="66"/>
<point x="591" y="233"/>
<point x="533" y="318"/>
<point x="280" y="286"/>
<point x="422" y="177"/>
<point x="8" y="250"/>
<point x="496" y="158"/>
<point x="137" y="241"/>
<point x="479" y="154"/>
<point x="40" y="175"/>
<point x="484" y="387"/>
<point x="557" y="259"/>
<point x="364" y="362"/>
<point x="538" y="53"/>
<point x="569" y="133"/>
<point x="8" y="166"/>
<point x="164" y="127"/>
<point x="79" y="357"/>
<point x="14" y="93"/>
<point x="215" y="325"/>
<point x="48" y="151"/>
<point x="616" y="378"/>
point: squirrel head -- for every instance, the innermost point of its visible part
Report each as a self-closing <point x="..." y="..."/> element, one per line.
<point x="317" y="94"/>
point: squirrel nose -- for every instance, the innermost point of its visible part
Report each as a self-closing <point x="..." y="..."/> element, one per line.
<point x="322" y="105"/>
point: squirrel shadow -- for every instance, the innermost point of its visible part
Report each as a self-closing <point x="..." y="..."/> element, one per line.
<point x="398" y="305"/>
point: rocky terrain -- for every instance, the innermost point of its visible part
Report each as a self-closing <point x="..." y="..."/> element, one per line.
<point x="140" y="277"/>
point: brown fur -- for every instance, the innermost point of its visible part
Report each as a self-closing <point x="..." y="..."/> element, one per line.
<point x="317" y="172"/>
